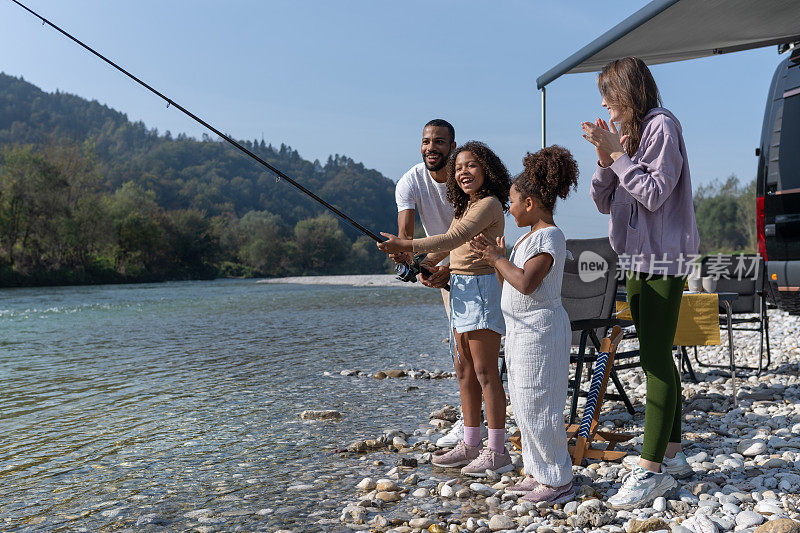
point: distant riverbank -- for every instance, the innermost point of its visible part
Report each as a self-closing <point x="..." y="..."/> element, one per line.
<point x="360" y="280"/>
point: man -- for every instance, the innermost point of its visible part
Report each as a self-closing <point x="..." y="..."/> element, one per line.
<point x="424" y="188"/>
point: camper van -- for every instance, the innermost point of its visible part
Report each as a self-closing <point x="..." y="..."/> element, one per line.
<point x="778" y="186"/>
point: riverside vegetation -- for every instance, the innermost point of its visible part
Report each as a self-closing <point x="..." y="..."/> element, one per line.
<point x="87" y="196"/>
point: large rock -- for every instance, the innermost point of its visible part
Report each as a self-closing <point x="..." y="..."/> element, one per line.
<point x="591" y="513"/>
<point x="781" y="525"/>
<point x="395" y="373"/>
<point x="321" y="414"/>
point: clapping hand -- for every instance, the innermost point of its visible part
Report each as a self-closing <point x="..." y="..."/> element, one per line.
<point x="486" y="251"/>
<point x="606" y="140"/>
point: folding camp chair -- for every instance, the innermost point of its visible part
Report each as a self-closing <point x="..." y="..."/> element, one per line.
<point x="590" y="305"/>
<point x="587" y="432"/>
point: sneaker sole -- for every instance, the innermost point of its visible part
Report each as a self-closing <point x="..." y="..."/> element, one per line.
<point x="568" y="496"/>
<point x="501" y="470"/>
<point x="452" y="465"/>
<point x="681" y="473"/>
<point x="644" y="503"/>
<point x="517" y="492"/>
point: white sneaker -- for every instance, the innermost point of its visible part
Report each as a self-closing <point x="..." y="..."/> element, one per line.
<point x="640" y="487"/>
<point x="456" y="434"/>
<point x="676" y="467"/>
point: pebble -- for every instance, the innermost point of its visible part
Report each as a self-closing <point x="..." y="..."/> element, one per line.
<point x="500" y="522"/>
<point x="746" y="461"/>
<point x="421" y="523"/>
<point x="769" y="507"/>
<point x="781" y="525"/>
<point x="748" y="519"/>
<point x="323" y="414"/>
<point x="386" y="485"/>
<point x="751" y="447"/>
<point x="388" y="496"/>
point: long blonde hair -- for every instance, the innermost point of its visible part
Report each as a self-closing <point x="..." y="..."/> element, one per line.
<point x="628" y="85"/>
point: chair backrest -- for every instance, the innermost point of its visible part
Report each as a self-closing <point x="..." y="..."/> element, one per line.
<point x="739" y="273"/>
<point x="589" y="298"/>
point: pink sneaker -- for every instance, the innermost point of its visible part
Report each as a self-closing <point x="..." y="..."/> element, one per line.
<point x="488" y="460"/>
<point x="551" y="495"/>
<point x="524" y="487"/>
<point x="461" y="455"/>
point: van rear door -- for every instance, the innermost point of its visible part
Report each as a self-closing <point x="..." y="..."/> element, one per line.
<point x="782" y="187"/>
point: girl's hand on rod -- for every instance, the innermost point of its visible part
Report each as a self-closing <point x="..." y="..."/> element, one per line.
<point x="394" y="244"/>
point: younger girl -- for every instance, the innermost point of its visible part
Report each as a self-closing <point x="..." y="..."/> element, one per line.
<point x="538" y="335"/>
<point x="477" y="187"/>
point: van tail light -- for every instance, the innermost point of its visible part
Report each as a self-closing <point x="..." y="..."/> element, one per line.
<point x="762" y="243"/>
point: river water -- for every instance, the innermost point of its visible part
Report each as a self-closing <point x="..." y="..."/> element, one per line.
<point x="175" y="406"/>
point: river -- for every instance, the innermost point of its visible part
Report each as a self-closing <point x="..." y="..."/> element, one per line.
<point x="176" y="405"/>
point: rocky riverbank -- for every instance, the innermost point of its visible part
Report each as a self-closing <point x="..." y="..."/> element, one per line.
<point x="746" y="461"/>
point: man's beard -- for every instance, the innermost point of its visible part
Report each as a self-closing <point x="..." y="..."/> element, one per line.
<point x="439" y="166"/>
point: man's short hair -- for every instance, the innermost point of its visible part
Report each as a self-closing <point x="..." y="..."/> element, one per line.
<point x="442" y="123"/>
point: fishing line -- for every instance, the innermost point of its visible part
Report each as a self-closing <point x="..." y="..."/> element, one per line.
<point x="171" y="103"/>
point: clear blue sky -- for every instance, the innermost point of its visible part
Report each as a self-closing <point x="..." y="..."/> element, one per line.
<point x="361" y="77"/>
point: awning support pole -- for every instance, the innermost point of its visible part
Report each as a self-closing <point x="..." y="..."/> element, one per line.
<point x="544" y="118"/>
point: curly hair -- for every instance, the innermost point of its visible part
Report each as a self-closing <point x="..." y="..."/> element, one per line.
<point x="548" y="174"/>
<point x="497" y="180"/>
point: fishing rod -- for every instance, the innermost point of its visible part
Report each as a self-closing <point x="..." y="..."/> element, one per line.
<point x="406" y="271"/>
<point x="172" y="103"/>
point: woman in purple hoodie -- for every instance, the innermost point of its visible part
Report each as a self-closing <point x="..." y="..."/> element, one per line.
<point x="642" y="180"/>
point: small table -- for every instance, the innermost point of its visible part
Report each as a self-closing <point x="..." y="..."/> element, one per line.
<point x="725" y="298"/>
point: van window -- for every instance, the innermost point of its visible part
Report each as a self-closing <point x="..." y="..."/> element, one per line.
<point x="789" y="152"/>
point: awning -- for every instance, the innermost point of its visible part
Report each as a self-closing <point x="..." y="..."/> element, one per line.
<point x="675" y="30"/>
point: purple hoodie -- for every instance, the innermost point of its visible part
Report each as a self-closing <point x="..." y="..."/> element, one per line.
<point x="649" y="197"/>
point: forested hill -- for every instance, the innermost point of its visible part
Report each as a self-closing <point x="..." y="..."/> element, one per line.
<point x="86" y="196"/>
<point x="209" y="175"/>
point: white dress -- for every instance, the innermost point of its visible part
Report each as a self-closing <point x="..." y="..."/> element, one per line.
<point x="538" y="338"/>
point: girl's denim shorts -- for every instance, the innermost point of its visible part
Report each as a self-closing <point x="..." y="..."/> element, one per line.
<point x="475" y="303"/>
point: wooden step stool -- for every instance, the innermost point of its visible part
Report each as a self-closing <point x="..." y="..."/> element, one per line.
<point x="587" y="433"/>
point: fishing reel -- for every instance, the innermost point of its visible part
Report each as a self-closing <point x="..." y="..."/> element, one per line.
<point x="408" y="271"/>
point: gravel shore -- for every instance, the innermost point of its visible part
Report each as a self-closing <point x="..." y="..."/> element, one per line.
<point x="746" y="462"/>
<point x="360" y="280"/>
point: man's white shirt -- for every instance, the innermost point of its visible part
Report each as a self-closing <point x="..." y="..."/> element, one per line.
<point x="418" y="190"/>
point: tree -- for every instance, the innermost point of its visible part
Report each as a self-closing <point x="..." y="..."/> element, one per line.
<point x="264" y="243"/>
<point x="725" y="214"/>
<point x="320" y="246"/>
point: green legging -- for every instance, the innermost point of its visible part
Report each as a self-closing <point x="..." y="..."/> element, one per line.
<point x="655" y="304"/>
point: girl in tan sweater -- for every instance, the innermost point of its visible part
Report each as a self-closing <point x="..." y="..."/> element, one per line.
<point x="478" y="186"/>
